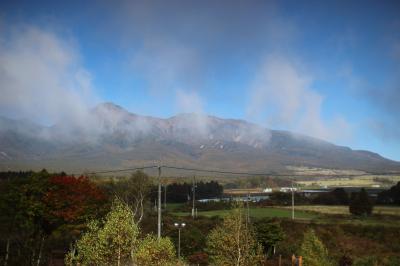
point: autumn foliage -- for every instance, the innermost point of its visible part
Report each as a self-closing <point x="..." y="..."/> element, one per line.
<point x="71" y="198"/>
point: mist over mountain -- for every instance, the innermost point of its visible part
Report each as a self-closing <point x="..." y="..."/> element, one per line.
<point x="112" y="138"/>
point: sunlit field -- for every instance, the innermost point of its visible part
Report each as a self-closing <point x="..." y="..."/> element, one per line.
<point x="344" y="210"/>
<point x="256" y="213"/>
<point x="361" y="181"/>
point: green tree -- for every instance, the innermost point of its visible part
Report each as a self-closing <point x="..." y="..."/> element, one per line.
<point x="313" y="250"/>
<point x="110" y="243"/>
<point x="269" y="234"/>
<point x="24" y="216"/>
<point x="390" y="196"/>
<point x="234" y="242"/>
<point x="341" y="196"/>
<point x="134" y="191"/>
<point x="114" y="241"/>
<point x="360" y="204"/>
<point x="153" y="252"/>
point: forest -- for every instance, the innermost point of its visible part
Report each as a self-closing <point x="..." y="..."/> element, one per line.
<point x="59" y="219"/>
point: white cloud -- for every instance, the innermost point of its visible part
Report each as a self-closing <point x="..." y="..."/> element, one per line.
<point x="282" y="94"/>
<point x="41" y="77"/>
<point x="191" y="102"/>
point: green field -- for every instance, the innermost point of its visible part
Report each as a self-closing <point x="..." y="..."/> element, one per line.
<point x="257" y="213"/>
<point x="311" y="213"/>
<point x="344" y="210"/>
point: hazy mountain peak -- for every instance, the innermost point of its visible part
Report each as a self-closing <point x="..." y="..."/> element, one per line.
<point x="110" y="107"/>
<point x="120" y="138"/>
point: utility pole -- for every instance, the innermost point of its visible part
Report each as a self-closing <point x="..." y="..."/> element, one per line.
<point x="159" y="205"/>
<point x="194" y="197"/>
<point x="165" y="197"/>
<point x="248" y="209"/>
<point x="292" y="201"/>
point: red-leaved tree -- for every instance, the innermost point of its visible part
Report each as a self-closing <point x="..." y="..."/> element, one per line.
<point x="73" y="199"/>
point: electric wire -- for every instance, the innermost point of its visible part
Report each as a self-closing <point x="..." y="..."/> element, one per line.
<point x="235" y="173"/>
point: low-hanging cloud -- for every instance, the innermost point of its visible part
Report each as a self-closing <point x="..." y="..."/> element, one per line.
<point x="42" y="78"/>
<point x="282" y="96"/>
<point x="191" y="102"/>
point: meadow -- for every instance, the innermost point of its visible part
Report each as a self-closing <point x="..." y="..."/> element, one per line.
<point x="315" y="214"/>
<point x="256" y="213"/>
<point x="344" y="210"/>
<point x="360" y="181"/>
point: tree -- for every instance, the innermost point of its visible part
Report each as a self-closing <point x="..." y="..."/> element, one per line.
<point x="153" y="252"/>
<point x="111" y="242"/>
<point x="313" y="250"/>
<point x="72" y="199"/>
<point x="114" y="241"/>
<point x="134" y="191"/>
<point x="390" y="196"/>
<point x="34" y="205"/>
<point x="234" y="242"/>
<point x="360" y="204"/>
<point x="23" y="207"/>
<point x="341" y="196"/>
<point x="269" y="234"/>
<point x="338" y="196"/>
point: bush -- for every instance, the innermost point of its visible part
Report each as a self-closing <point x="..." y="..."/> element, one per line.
<point x="360" y="204"/>
<point x="153" y="252"/>
<point x="345" y="261"/>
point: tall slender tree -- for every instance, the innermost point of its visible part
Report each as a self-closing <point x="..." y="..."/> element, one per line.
<point x="134" y="191"/>
<point x="313" y="251"/>
<point x="234" y="242"/>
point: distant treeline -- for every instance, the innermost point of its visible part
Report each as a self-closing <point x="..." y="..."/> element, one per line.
<point x="183" y="192"/>
<point x="23" y="174"/>
<point x="257" y="182"/>
<point x="390" y="196"/>
<point x="338" y="196"/>
<point x="12" y="174"/>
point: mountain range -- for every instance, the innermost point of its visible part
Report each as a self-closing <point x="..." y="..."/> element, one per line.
<point x="110" y="137"/>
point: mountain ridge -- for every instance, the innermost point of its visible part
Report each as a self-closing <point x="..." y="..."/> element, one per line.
<point x="112" y="137"/>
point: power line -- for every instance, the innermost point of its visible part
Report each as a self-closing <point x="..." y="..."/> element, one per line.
<point x="237" y="173"/>
<point x="118" y="170"/>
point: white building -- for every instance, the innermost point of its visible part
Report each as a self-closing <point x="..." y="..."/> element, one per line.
<point x="287" y="189"/>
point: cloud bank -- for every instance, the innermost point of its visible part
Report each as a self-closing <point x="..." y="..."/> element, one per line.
<point x="282" y="94"/>
<point x="42" y="78"/>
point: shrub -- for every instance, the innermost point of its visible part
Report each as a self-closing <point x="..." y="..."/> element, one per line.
<point x="360" y="204"/>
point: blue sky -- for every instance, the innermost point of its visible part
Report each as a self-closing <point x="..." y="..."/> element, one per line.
<point x="329" y="69"/>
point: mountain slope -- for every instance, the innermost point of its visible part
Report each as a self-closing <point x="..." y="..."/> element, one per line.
<point x="113" y="138"/>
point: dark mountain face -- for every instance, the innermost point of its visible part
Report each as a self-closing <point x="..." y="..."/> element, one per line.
<point x="111" y="137"/>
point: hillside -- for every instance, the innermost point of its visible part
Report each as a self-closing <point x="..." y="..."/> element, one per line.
<point x="111" y="137"/>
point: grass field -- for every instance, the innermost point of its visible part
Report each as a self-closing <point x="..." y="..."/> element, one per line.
<point x="257" y="213"/>
<point x="315" y="213"/>
<point x="344" y="210"/>
<point x="360" y="181"/>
